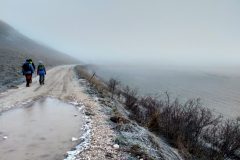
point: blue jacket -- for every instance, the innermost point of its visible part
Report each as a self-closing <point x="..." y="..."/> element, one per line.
<point x="30" y="69"/>
<point x="41" y="70"/>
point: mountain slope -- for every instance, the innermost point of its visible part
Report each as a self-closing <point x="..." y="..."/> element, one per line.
<point x="15" y="48"/>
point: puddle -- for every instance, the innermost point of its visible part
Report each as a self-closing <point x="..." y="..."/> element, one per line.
<point x="42" y="131"/>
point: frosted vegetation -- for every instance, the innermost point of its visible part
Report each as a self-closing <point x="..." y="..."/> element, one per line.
<point x="193" y="129"/>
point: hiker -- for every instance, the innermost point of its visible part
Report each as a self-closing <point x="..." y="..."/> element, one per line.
<point x="27" y="70"/>
<point x="31" y="62"/>
<point x="41" y="71"/>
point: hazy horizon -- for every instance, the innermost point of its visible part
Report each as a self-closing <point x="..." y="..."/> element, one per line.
<point x="178" y="33"/>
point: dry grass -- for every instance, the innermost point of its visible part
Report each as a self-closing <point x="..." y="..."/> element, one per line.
<point x="117" y="117"/>
<point x="137" y="151"/>
<point x="99" y="85"/>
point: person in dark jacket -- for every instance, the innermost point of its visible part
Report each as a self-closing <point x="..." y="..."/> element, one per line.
<point x="31" y="62"/>
<point x="27" y="70"/>
<point x="41" y="71"/>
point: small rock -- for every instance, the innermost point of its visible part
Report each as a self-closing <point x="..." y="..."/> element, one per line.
<point x="5" y="137"/>
<point x="89" y="113"/>
<point x="95" y="99"/>
<point x="109" y="155"/>
<point x="114" y="119"/>
<point x="13" y="87"/>
<point x="74" y="139"/>
<point x="116" y="146"/>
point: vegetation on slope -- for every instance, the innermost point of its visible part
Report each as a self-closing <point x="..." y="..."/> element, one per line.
<point x="189" y="126"/>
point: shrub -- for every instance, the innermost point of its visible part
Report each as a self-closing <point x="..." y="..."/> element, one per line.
<point x="187" y="122"/>
<point x="130" y="96"/>
<point x="112" y="84"/>
<point x="225" y="138"/>
<point x="184" y="124"/>
<point x="151" y="113"/>
<point x="137" y="151"/>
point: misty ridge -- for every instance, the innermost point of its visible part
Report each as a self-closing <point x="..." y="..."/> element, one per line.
<point x="15" y="48"/>
<point x="219" y="90"/>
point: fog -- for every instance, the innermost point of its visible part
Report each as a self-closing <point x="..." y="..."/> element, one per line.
<point x="138" y="32"/>
<point x="186" y="47"/>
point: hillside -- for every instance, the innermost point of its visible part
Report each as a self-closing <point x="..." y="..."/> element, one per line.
<point x="15" y="48"/>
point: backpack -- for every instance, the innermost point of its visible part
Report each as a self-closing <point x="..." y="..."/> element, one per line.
<point x="41" y="67"/>
<point x="26" y="67"/>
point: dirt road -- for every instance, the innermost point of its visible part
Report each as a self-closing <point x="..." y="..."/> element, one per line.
<point x="60" y="82"/>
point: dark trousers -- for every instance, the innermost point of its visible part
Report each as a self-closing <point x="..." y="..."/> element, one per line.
<point x="28" y="79"/>
<point x="41" y="79"/>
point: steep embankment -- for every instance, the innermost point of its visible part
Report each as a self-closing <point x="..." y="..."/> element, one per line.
<point x="15" y="48"/>
<point x="135" y="141"/>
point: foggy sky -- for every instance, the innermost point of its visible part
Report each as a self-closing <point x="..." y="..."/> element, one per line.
<point x="186" y="32"/>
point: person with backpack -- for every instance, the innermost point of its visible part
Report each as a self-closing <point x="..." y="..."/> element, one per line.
<point x="27" y="70"/>
<point x="41" y="71"/>
<point x="31" y="62"/>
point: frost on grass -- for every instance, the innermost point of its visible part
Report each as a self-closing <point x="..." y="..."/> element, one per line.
<point x="136" y="135"/>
